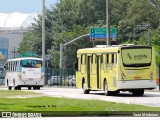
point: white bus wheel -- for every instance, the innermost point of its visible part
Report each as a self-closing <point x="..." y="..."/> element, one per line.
<point x="9" y="88"/>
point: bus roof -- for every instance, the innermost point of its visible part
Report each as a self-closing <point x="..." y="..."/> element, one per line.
<point x="104" y="48"/>
<point x="24" y="58"/>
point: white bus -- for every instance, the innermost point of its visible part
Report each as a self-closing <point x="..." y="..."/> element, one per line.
<point x="24" y="72"/>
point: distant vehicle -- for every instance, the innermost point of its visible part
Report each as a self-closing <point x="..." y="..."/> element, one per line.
<point x="24" y="72"/>
<point x="72" y="81"/>
<point x="116" y="68"/>
<point x="54" y="80"/>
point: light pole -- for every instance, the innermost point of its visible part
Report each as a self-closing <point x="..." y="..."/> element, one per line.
<point x="61" y="53"/>
<point x="108" y="21"/>
<point x="43" y="34"/>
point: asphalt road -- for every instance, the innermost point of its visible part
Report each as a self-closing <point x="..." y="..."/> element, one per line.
<point x="150" y="98"/>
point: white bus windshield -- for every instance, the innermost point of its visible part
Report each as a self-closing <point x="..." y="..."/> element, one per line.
<point x="137" y="57"/>
<point x="30" y="63"/>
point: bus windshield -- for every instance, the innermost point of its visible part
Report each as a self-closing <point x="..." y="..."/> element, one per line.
<point x="136" y="57"/>
<point x="30" y="63"/>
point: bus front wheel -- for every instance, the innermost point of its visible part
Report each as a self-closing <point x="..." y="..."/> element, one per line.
<point x="85" y="91"/>
<point x="106" y="92"/>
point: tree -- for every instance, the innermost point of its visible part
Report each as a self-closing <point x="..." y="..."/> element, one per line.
<point x="140" y="17"/>
<point x="69" y="19"/>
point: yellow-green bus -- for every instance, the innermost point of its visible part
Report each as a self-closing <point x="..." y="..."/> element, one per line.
<point x="116" y="68"/>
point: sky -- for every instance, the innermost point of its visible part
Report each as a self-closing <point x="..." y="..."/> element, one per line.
<point x="24" y="6"/>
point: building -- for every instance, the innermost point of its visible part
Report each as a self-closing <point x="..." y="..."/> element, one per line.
<point x="12" y="27"/>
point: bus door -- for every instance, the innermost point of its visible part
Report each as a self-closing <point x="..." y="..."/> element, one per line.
<point x="88" y="69"/>
<point x="98" y="71"/>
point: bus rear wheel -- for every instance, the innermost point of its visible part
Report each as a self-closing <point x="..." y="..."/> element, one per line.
<point x="9" y="88"/>
<point x="85" y="91"/>
<point x="36" y="88"/>
<point x="17" y="88"/>
<point x="138" y="92"/>
<point x="29" y="88"/>
<point x="106" y="92"/>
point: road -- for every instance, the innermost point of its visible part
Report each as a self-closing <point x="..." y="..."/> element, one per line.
<point x="150" y="98"/>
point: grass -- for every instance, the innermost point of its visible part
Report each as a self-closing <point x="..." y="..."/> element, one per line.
<point x="59" y="105"/>
<point x="65" y="104"/>
<point x="17" y="93"/>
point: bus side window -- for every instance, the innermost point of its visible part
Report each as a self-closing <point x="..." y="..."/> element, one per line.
<point x="81" y="59"/>
<point x="92" y="59"/>
<point x="115" y="58"/>
<point x="102" y="59"/>
<point x="15" y="65"/>
<point x="8" y="66"/>
<point x="107" y="58"/>
<point x="112" y="59"/>
<point x="11" y="66"/>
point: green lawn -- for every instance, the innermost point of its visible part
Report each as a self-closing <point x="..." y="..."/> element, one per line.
<point x="65" y="104"/>
<point x="17" y="93"/>
<point x="52" y="104"/>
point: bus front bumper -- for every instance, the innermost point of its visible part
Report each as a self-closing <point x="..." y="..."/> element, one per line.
<point x="136" y="84"/>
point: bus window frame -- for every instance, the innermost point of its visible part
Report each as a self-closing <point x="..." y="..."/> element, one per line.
<point x="140" y="64"/>
<point x="28" y="65"/>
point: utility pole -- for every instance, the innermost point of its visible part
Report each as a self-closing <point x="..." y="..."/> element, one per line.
<point x="61" y="54"/>
<point x="149" y="42"/>
<point x="43" y="35"/>
<point x="14" y="52"/>
<point x="108" y="21"/>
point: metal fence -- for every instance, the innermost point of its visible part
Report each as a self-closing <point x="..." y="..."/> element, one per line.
<point x="2" y="76"/>
<point x="53" y="77"/>
<point x="60" y="77"/>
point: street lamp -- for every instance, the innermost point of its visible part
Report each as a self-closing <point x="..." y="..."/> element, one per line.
<point x="108" y="21"/>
